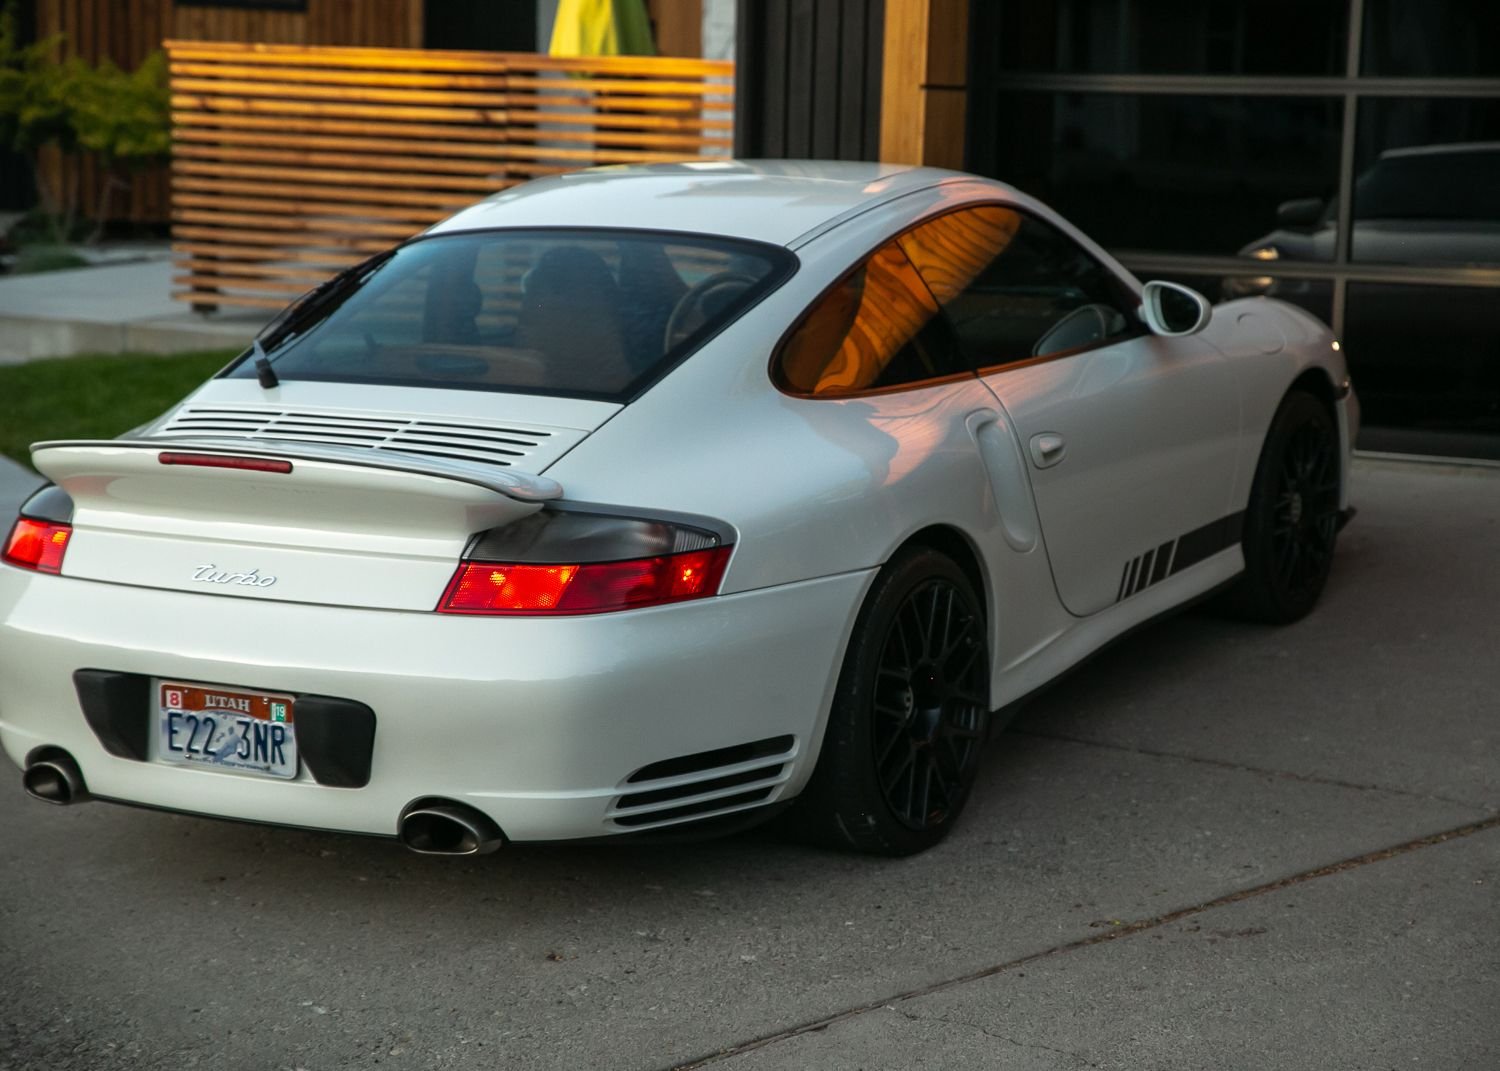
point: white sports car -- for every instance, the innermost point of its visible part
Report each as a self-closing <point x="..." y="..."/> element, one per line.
<point x="652" y="499"/>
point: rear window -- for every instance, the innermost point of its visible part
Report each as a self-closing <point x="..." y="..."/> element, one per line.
<point x="597" y="314"/>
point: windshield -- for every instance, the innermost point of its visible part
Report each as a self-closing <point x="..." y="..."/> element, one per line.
<point x="1437" y="186"/>
<point x="589" y="314"/>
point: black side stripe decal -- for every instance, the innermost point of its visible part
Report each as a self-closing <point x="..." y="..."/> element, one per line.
<point x="1163" y="561"/>
<point x="1175" y="555"/>
<point x="1139" y="572"/>
<point x="1144" y="576"/>
<point x="1209" y="540"/>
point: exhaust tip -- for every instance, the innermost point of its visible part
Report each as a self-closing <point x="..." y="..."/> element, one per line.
<point x="442" y="828"/>
<point x="54" y="778"/>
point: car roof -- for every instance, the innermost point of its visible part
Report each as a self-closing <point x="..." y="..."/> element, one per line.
<point x="777" y="201"/>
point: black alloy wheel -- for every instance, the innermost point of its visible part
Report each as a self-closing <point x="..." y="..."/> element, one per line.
<point x="1292" y="522"/>
<point x="930" y="702"/>
<point x="1306" y="510"/>
<point x="910" y="716"/>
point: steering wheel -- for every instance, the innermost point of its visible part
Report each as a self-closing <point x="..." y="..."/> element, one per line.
<point x="703" y="300"/>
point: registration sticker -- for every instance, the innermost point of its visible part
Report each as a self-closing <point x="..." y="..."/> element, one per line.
<point x="226" y="728"/>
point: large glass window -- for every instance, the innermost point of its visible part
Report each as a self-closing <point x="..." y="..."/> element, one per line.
<point x="1428" y="191"/>
<point x="1303" y="37"/>
<point x="586" y="314"/>
<point x="1191" y="174"/>
<point x="1432" y="38"/>
<point x="1426" y="359"/>
<point x="1194" y="139"/>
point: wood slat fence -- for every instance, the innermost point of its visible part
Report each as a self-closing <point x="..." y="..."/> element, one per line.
<point x="291" y="162"/>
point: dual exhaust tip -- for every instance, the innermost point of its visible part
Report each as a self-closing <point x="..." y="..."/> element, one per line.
<point x="440" y="827"/>
<point x="53" y="777"/>
<point x="428" y="827"/>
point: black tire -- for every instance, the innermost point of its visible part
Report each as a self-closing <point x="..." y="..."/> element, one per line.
<point x="910" y="716"/>
<point x="1292" y="521"/>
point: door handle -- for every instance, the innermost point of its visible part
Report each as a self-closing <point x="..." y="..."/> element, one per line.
<point x="1047" y="449"/>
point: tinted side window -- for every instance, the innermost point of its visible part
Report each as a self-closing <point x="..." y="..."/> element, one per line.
<point x="1035" y="294"/>
<point x="878" y="327"/>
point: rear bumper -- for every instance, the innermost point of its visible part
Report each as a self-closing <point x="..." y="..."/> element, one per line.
<point x="537" y="723"/>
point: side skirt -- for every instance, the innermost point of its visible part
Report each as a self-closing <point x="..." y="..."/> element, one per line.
<point x="1004" y="715"/>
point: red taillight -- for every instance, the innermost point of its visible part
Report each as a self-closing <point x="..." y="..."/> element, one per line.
<point x="593" y="588"/>
<point x="37" y="545"/>
<point x="225" y="461"/>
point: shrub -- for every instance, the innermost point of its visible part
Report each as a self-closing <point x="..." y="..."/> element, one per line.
<point x="121" y="118"/>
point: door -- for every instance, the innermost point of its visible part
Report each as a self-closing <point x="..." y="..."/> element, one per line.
<point x="1130" y="439"/>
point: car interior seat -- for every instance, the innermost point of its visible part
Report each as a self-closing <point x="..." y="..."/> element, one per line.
<point x="570" y="316"/>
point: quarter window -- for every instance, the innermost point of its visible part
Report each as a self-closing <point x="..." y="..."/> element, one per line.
<point x="1015" y="288"/>
<point x="877" y="327"/>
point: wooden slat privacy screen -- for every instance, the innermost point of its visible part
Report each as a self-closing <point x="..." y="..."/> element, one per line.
<point x="290" y="162"/>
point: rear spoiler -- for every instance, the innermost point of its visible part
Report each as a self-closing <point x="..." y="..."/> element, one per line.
<point x="521" y="486"/>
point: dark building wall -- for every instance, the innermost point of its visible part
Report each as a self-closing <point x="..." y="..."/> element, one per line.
<point x="808" y="78"/>
<point x="488" y="25"/>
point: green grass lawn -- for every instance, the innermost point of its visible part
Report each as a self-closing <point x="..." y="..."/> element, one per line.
<point x="93" y="397"/>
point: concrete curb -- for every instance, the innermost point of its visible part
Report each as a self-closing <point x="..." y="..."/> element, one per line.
<point x="110" y="309"/>
<point x="30" y="338"/>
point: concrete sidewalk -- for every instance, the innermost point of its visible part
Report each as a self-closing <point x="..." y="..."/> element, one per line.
<point x="110" y="310"/>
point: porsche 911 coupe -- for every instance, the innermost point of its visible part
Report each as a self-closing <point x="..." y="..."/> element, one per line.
<point x="659" y="500"/>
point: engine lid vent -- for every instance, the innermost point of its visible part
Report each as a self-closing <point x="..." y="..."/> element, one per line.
<point x="505" y="444"/>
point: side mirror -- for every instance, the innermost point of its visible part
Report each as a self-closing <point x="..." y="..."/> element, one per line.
<point x="1300" y="213"/>
<point x="1174" y="311"/>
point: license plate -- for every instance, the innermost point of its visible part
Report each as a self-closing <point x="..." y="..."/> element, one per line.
<point x="226" y="729"/>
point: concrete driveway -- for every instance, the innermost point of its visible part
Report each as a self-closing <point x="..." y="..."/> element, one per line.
<point x="1216" y="846"/>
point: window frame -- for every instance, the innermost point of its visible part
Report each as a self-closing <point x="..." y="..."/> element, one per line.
<point x="1128" y="296"/>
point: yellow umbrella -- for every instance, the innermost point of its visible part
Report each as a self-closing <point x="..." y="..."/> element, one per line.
<point x="601" y="28"/>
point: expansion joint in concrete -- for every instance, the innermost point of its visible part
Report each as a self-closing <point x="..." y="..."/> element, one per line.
<point x="1128" y="929"/>
<point x="1239" y="767"/>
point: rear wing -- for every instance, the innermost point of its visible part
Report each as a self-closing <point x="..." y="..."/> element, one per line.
<point x="66" y="454"/>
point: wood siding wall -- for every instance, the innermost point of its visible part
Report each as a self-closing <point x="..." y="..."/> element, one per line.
<point x="292" y="162"/>
<point x="809" y="75"/>
<point x="126" y="31"/>
<point x="678" y="25"/>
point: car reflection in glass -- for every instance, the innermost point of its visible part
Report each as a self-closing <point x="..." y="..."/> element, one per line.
<point x="1424" y="206"/>
<point x="1433" y="204"/>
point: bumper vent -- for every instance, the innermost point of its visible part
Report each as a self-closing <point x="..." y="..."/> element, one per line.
<point x="492" y="444"/>
<point x="703" y="784"/>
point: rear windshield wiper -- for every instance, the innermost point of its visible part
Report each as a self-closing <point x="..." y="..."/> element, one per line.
<point x="263" y="370"/>
<point x="293" y="320"/>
